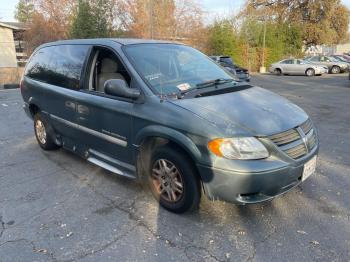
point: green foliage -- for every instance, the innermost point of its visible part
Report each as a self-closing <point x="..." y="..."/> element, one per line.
<point x="245" y="45"/>
<point x="82" y="25"/>
<point x="92" y="19"/>
<point x="222" y="40"/>
<point x="24" y="11"/>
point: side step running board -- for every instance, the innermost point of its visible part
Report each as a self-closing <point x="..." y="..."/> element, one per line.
<point x="108" y="167"/>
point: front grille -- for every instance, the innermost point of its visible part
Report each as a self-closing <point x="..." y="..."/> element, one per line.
<point x="296" y="142"/>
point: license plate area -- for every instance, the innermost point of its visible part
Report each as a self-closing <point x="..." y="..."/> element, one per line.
<point x="309" y="168"/>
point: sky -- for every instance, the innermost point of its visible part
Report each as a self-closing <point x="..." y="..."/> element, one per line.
<point x="214" y="8"/>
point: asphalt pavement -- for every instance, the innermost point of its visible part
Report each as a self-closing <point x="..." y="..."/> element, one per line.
<point x="54" y="206"/>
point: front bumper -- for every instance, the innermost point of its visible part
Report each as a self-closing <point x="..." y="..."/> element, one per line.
<point x="321" y="71"/>
<point x="242" y="187"/>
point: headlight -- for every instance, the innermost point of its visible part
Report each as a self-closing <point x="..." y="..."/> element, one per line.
<point x="243" y="148"/>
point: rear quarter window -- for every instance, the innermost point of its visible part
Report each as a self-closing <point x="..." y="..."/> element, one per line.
<point x="38" y="66"/>
<point x="58" y="65"/>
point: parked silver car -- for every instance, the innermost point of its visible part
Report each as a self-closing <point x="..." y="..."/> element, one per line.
<point x="334" y="65"/>
<point x="297" y="67"/>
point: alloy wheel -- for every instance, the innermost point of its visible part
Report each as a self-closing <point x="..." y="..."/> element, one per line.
<point x="167" y="180"/>
<point x="335" y="70"/>
<point x="310" y="72"/>
<point x="40" y="131"/>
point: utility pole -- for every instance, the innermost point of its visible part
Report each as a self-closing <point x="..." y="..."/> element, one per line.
<point x="263" y="68"/>
<point x="151" y="19"/>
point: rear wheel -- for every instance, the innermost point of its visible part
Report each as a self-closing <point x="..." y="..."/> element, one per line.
<point x="43" y="133"/>
<point x="173" y="180"/>
<point x="335" y="70"/>
<point x="310" y="72"/>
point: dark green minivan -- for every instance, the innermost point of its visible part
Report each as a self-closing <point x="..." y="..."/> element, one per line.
<point x="167" y="115"/>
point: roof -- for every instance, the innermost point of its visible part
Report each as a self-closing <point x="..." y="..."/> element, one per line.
<point x="13" y="25"/>
<point x="121" y="41"/>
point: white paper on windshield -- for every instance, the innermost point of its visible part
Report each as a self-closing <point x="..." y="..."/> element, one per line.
<point x="184" y="86"/>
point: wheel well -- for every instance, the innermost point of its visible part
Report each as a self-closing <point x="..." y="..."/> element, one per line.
<point x="33" y="109"/>
<point x="147" y="147"/>
<point x="309" y="69"/>
<point x="278" y="69"/>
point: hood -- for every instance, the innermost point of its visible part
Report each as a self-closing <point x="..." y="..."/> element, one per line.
<point x="253" y="111"/>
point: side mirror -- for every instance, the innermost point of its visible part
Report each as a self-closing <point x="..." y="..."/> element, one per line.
<point x="118" y="87"/>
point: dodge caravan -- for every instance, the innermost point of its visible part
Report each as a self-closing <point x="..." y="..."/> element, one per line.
<point x="167" y="115"/>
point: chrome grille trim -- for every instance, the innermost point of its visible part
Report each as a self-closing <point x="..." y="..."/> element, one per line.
<point x="296" y="142"/>
<point x="306" y="126"/>
<point x="285" y="137"/>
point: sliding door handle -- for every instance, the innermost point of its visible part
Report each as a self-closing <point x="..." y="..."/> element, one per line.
<point x="70" y="105"/>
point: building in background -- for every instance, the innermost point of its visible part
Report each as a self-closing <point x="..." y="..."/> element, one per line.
<point x="12" y="54"/>
<point x="328" y="50"/>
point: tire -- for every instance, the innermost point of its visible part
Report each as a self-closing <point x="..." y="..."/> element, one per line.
<point x="310" y="72"/>
<point x="277" y="72"/>
<point x="174" y="198"/>
<point x="11" y="86"/>
<point x="44" y="133"/>
<point x="335" y="70"/>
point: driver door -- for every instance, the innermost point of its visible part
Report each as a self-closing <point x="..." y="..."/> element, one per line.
<point x="105" y="120"/>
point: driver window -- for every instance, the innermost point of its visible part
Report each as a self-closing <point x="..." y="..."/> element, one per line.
<point x="105" y="65"/>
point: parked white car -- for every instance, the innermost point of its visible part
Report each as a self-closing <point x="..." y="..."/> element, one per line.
<point x="297" y="67"/>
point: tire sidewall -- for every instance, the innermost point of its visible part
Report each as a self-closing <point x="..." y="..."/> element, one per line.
<point x="335" y="70"/>
<point x="310" y="70"/>
<point x="191" y="190"/>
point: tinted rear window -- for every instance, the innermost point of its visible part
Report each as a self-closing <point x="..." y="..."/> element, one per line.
<point x="58" y="65"/>
<point x="38" y="66"/>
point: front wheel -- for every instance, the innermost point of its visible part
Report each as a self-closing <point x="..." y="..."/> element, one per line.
<point x="310" y="72"/>
<point x="173" y="180"/>
<point x="277" y="71"/>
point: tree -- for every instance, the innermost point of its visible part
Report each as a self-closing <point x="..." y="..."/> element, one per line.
<point x="92" y="19"/>
<point x="24" y="11"/>
<point x="222" y="40"/>
<point x="83" y="24"/>
<point x="322" y="21"/>
<point x="161" y="19"/>
<point x="151" y="18"/>
<point x="41" y="30"/>
<point x="50" y="21"/>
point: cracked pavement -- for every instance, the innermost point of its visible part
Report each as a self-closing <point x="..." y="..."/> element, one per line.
<point x="54" y="206"/>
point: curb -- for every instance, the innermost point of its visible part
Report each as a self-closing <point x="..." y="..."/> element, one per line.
<point x="11" y="86"/>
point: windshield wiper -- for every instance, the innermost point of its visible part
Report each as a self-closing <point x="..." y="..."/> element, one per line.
<point x="215" y="82"/>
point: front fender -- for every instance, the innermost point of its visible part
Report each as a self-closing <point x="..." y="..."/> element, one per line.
<point x="175" y="136"/>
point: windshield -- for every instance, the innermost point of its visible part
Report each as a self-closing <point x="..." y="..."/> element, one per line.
<point x="171" y="68"/>
<point x="305" y="62"/>
<point x="334" y="59"/>
<point x="339" y="58"/>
